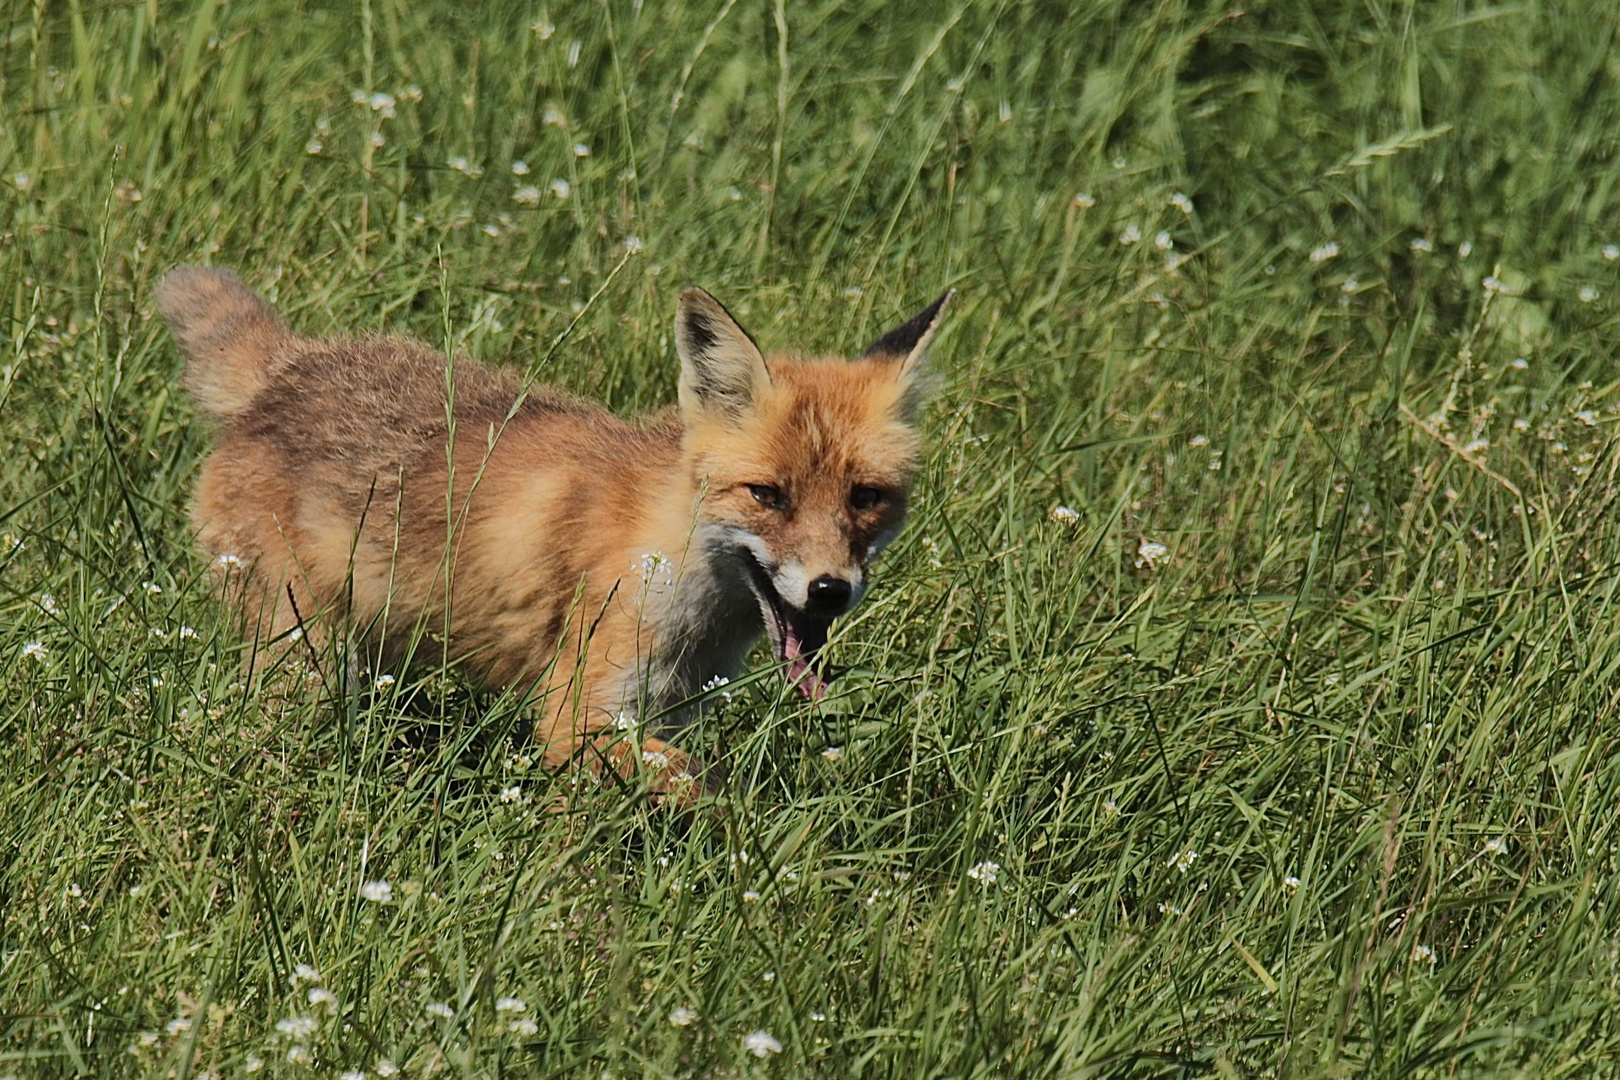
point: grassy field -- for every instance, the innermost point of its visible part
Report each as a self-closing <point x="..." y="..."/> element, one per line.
<point x="1243" y="698"/>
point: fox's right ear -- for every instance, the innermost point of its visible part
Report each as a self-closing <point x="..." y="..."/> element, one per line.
<point x="721" y="367"/>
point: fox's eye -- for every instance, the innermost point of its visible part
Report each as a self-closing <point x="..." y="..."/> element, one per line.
<point x="767" y="496"/>
<point x="867" y="498"/>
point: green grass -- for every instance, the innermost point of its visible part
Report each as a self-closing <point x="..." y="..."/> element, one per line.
<point x="1370" y="681"/>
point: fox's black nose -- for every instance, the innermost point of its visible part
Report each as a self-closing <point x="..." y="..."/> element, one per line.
<point x="829" y="595"/>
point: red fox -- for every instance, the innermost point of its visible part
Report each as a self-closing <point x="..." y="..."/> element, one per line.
<point x="617" y="567"/>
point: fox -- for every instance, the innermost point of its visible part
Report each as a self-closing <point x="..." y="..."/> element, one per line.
<point x="614" y="568"/>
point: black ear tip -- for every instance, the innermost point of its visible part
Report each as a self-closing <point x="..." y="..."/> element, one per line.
<point x="903" y="339"/>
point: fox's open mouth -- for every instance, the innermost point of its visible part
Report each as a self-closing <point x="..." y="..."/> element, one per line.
<point x="796" y="636"/>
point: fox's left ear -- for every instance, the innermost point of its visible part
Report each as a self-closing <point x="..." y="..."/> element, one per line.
<point x="907" y="347"/>
<point x="721" y="368"/>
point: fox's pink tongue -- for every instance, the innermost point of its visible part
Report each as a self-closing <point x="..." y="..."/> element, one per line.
<point x="801" y="673"/>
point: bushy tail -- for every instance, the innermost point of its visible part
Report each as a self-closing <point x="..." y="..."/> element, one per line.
<point x="226" y="332"/>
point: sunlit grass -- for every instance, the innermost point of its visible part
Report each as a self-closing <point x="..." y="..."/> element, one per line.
<point x="1240" y="700"/>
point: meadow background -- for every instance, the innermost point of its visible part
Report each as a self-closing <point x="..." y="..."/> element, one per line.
<point x="1242" y="699"/>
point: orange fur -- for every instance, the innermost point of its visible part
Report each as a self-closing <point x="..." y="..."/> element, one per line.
<point x="615" y="566"/>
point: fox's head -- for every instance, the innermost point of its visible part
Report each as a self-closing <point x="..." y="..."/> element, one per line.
<point x="805" y="464"/>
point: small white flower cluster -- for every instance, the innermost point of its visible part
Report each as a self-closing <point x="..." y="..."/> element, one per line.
<point x="1324" y="252"/>
<point x="511" y="1006"/>
<point x="681" y="1016"/>
<point x="657" y="570"/>
<point x="1065" y="515"/>
<point x="299" y="1030"/>
<point x="715" y="684"/>
<point x="985" y="873"/>
<point x="460" y="164"/>
<point x="1182" y="860"/>
<point x="1495" y="846"/>
<point x="1130" y="235"/>
<point x="1148" y="554"/>
<point x="378" y="892"/>
<point x="762" y="1044"/>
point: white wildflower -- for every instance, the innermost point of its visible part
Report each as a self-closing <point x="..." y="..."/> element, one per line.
<point x="1587" y="294"/>
<point x="681" y="1016"/>
<point x="491" y="230"/>
<point x="656" y="760"/>
<point x="560" y="188"/>
<point x="527" y="195"/>
<point x="187" y="631"/>
<point x="544" y="29"/>
<point x="523" y="1026"/>
<point x="152" y="587"/>
<point x="299" y="1055"/>
<point x="1350" y="285"/>
<point x="750" y="897"/>
<point x="1148" y="553"/>
<point x="1004" y="113"/>
<point x="1064" y="515"/>
<point x="581" y="150"/>
<point x="1290" y="884"/>
<point x="1611" y="252"/>
<point x="157" y="632"/>
<point x="761" y="1044"/>
<point x="385" y="1068"/>
<point x="1477" y="446"/>
<point x="1182" y="860"/>
<point x="320" y="995"/>
<point x="1163" y="241"/>
<point x="573" y="53"/>
<point x="1496" y="846"/>
<point x="1421" y="246"/>
<point x="352" y="1074"/>
<point x="35" y="650"/>
<point x="1084" y="200"/>
<point x="832" y="753"/>
<point x="1198" y="442"/>
<point x="553" y="117"/>
<point x="377" y="140"/>
<point x="358" y="97"/>
<point x="439" y="1009"/>
<point x="383" y="103"/>
<point x="178" y="1026"/>
<point x="228" y="561"/>
<point x="510" y="1004"/>
<point x="47" y="604"/>
<point x="1130" y="236"/>
<point x="21" y="181"/>
<point x="305" y="973"/>
<point x="252" y="1063"/>
<point x="513" y="794"/>
<point x="378" y="892"/>
<point x="384" y="682"/>
<point x="1182" y="203"/>
<point x="147" y="1038"/>
<point x="1465" y="249"/>
<point x="520" y="168"/>
<point x="1493" y="284"/>
<point x="1521" y="424"/>
<point x="1519" y="364"/>
<point x="297" y="1027"/>
<point x="412" y="93"/>
<point x="1324" y="252"/>
<point x="632" y="244"/>
<point x="457" y="163"/>
<point x="985" y="872"/>
<point x="1170" y="910"/>
<point x="1422" y="954"/>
